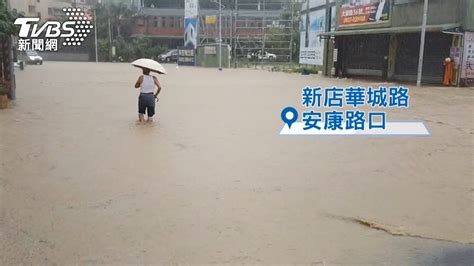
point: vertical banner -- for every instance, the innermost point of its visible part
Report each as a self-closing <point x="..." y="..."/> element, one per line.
<point x="312" y="45"/>
<point x="190" y="23"/>
<point x="190" y="33"/>
<point x="317" y="26"/>
<point x="190" y="8"/>
<point x="467" y="73"/>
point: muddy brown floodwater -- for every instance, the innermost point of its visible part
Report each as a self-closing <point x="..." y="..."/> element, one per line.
<point x="211" y="181"/>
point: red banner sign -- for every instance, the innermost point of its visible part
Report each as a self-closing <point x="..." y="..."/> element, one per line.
<point x="354" y="13"/>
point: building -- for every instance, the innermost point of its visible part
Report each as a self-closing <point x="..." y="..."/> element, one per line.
<point x="242" y="24"/>
<point x="381" y="38"/>
<point x="45" y="9"/>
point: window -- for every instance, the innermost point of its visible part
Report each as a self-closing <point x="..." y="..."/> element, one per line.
<point x="163" y="22"/>
<point x="50" y="11"/>
<point x="31" y="9"/>
<point x="39" y="15"/>
<point x="171" y="22"/>
<point x="38" y="1"/>
<point x="177" y="23"/>
<point x="155" y="22"/>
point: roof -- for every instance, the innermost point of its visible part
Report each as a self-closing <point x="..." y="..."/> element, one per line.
<point x="440" y="27"/>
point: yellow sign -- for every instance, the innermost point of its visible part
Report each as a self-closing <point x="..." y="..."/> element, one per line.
<point x="211" y="20"/>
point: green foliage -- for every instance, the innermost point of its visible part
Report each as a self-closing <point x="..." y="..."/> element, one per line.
<point x="7" y="28"/>
<point x="280" y="38"/>
<point x="295" y="17"/>
<point x="103" y="48"/>
<point x="136" y="48"/>
<point x="310" y="69"/>
<point x="121" y="20"/>
<point x="16" y="14"/>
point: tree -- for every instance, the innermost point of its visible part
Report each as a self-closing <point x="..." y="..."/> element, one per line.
<point x="281" y="38"/>
<point x="122" y="17"/>
<point x="129" y="48"/>
<point x="7" y="28"/>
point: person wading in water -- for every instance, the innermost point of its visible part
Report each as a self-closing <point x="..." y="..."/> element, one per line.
<point x="146" y="100"/>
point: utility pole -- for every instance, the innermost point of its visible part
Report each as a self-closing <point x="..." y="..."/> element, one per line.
<point x="291" y="31"/>
<point x="236" y="10"/>
<point x="109" y="29"/>
<point x="220" y="35"/>
<point x="307" y="26"/>
<point x="422" y="43"/>
<point x="264" y="34"/>
<point x="95" y="35"/>
<point x="13" y="49"/>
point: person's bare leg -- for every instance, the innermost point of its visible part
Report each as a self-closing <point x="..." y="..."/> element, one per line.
<point x="150" y="119"/>
<point x="141" y="118"/>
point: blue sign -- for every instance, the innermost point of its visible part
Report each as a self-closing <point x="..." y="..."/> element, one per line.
<point x="190" y="33"/>
<point x="335" y="111"/>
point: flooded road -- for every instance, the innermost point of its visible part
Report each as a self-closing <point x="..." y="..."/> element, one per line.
<point x="211" y="181"/>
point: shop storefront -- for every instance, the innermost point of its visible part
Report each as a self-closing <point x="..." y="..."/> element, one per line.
<point x="392" y="53"/>
<point x="407" y="55"/>
<point x="362" y="55"/>
<point x="381" y="39"/>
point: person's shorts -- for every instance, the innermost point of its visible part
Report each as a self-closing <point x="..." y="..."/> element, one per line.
<point x="146" y="103"/>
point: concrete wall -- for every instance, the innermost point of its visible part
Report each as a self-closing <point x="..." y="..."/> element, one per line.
<point x="469" y="15"/>
<point x="410" y="13"/>
<point x="406" y="13"/>
<point x="43" y="5"/>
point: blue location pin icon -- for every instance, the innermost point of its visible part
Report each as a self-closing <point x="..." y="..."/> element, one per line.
<point x="289" y="115"/>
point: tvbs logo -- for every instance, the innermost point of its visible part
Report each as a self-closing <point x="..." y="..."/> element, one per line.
<point x="72" y="32"/>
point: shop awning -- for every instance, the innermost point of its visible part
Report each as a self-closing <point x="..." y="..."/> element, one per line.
<point x="441" y="27"/>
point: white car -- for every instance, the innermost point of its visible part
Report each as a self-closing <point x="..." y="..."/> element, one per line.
<point x="265" y="56"/>
<point x="32" y="57"/>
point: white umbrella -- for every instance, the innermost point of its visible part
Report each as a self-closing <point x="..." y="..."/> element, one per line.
<point x="150" y="64"/>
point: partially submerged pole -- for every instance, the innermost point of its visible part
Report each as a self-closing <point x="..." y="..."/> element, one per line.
<point x="422" y="44"/>
<point x="220" y="35"/>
